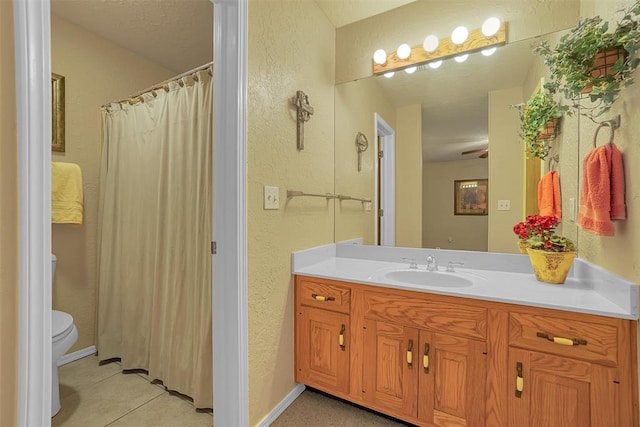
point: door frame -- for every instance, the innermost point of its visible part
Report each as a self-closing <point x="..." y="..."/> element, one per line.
<point x="32" y="28"/>
<point x="387" y="137"/>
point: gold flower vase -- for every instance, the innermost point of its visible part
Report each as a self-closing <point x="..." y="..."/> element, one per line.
<point x="551" y="267"/>
<point x="523" y="246"/>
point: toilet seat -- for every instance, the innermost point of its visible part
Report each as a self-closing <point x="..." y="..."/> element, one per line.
<point x="61" y="325"/>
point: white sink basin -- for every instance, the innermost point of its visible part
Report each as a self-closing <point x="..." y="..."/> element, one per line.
<point x="428" y="278"/>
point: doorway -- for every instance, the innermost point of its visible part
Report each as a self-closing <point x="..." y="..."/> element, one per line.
<point x="385" y="184"/>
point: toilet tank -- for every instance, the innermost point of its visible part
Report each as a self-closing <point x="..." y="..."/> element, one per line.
<point x="53" y="266"/>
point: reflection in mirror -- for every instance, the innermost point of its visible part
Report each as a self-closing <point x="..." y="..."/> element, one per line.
<point x="452" y="123"/>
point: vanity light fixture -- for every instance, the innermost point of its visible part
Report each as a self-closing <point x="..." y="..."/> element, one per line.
<point x="403" y="51"/>
<point x="435" y="64"/>
<point x="490" y="26"/>
<point x="380" y="57"/>
<point x="488" y="52"/>
<point x="430" y="44"/>
<point x="410" y="70"/>
<point x="462" y="42"/>
<point x="461" y="58"/>
<point x="459" y="35"/>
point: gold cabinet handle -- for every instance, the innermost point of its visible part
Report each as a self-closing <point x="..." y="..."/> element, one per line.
<point x="425" y="358"/>
<point x="560" y="340"/>
<point x="341" y="338"/>
<point x="519" y="380"/>
<point x="410" y="354"/>
<point x="322" y="298"/>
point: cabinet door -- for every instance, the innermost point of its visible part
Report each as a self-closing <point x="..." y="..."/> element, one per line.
<point x="322" y="354"/>
<point x="391" y="363"/>
<point x="452" y="380"/>
<point x="555" y="391"/>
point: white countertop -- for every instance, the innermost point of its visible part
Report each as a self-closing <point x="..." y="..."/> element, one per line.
<point x="497" y="277"/>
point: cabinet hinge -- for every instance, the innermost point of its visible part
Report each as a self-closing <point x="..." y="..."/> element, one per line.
<point x="380" y="154"/>
<point x="380" y="212"/>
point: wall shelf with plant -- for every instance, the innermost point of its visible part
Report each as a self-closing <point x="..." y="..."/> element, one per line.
<point x="592" y="62"/>
<point x="539" y="123"/>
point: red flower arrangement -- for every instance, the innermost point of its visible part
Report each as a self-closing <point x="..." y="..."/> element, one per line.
<point x="539" y="233"/>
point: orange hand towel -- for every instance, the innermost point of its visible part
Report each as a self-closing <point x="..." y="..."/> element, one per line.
<point x="602" y="194"/>
<point x="549" y="200"/>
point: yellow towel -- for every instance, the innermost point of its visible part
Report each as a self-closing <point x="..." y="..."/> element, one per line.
<point x="66" y="193"/>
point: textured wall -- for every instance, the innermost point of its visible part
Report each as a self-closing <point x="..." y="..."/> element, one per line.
<point x="291" y="47"/>
<point x="409" y="176"/>
<point x="8" y="222"/>
<point x="356" y="103"/>
<point x="616" y="253"/>
<point x="468" y="232"/>
<point x="96" y="72"/>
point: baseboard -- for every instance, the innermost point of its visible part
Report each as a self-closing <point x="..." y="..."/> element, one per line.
<point x="72" y="357"/>
<point x="284" y="404"/>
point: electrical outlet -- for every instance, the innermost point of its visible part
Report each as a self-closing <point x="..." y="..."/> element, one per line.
<point x="271" y="197"/>
<point x="504" y="205"/>
<point x="367" y="206"/>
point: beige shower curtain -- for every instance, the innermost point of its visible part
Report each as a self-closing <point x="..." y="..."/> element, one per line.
<point x="154" y="234"/>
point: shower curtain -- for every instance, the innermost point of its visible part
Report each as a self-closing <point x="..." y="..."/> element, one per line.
<point x="154" y="234"/>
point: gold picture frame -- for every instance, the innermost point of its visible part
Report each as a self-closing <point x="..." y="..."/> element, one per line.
<point x="57" y="112"/>
<point x="471" y="197"/>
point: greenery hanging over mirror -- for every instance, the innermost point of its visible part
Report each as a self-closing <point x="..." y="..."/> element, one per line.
<point x="536" y="115"/>
<point x="592" y="61"/>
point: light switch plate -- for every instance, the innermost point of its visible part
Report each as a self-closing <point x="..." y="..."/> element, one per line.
<point x="367" y="206"/>
<point x="271" y="197"/>
<point x="504" y="205"/>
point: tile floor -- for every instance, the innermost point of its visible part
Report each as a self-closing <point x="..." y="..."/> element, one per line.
<point x="95" y="395"/>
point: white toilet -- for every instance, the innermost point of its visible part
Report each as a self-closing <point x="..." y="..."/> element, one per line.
<point x="64" y="334"/>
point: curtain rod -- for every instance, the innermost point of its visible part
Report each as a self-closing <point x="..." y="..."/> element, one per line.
<point x="137" y="97"/>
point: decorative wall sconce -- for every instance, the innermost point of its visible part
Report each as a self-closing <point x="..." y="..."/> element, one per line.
<point x="303" y="113"/>
<point x="461" y="43"/>
<point x="361" y="146"/>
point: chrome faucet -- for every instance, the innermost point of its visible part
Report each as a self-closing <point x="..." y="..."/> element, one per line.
<point x="432" y="264"/>
<point x="452" y="264"/>
<point x="412" y="263"/>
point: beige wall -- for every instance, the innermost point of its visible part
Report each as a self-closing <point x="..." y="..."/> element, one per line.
<point x="409" y="176"/>
<point x="618" y="253"/>
<point x="96" y="72"/>
<point x="440" y="227"/>
<point x="8" y="223"/>
<point x="291" y="47"/>
<point x="356" y="103"/>
<point x="505" y="168"/>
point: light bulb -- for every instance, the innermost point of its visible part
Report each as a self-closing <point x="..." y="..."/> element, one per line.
<point x="435" y="64"/>
<point x="404" y="51"/>
<point x="461" y="58"/>
<point x="389" y="74"/>
<point x="380" y="57"/>
<point x="488" y="52"/>
<point x="410" y="70"/>
<point x="459" y="35"/>
<point x="430" y="43"/>
<point x="490" y="26"/>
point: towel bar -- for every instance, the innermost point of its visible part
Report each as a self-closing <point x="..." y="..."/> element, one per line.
<point x="613" y="125"/>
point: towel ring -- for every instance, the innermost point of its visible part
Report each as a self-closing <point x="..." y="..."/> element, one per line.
<point x="613" y="125"/>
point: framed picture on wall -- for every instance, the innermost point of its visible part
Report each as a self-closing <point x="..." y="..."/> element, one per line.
<point x="57" y="112"/>
<point x="470" y="196"/>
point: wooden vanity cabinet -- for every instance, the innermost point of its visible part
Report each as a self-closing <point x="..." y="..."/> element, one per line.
<point x="435" y="360"/>
<point x="322" y="333"/>
<point x="570" y="370"/>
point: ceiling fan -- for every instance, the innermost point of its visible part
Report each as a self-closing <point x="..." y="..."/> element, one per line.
<point x="484" y="152"/>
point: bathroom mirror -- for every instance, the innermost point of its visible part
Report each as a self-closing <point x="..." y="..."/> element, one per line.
<point x="446" y="115"/>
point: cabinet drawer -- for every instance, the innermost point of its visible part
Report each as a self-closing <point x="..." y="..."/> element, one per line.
<point x="590" y="341"/>
<point x="325" y="295"/>
<point x="427" y="314"/>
